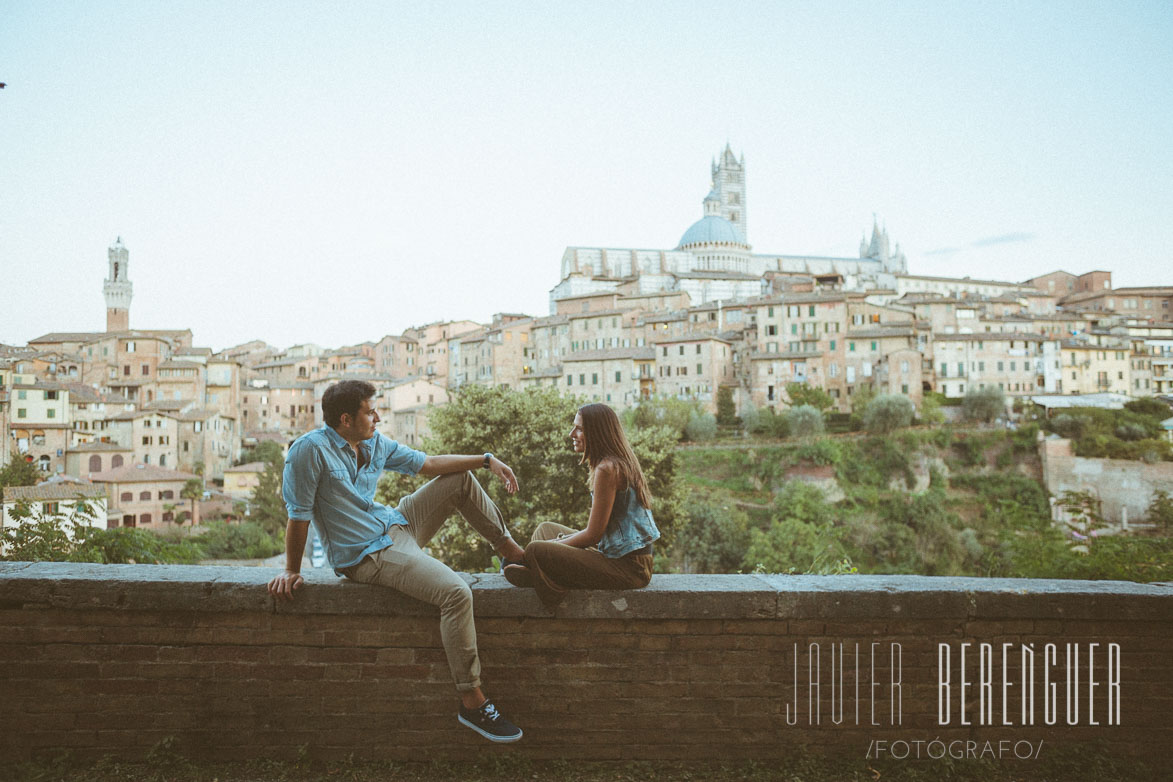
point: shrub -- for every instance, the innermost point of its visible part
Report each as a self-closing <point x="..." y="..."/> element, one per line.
<point x="220" y="540"/>
<point x="751" y="420"/>
<point x="804" y="421"/>
<point x="701" y="426"/>
<point x="887" y="413"/>
<point x="984" y="404"/>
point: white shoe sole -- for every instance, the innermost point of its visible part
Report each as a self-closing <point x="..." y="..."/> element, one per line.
<point x="490" y="736"/>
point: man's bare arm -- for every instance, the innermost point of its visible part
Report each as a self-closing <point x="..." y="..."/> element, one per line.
<point x="282" y="586"/>
<point x="450" y="463"/>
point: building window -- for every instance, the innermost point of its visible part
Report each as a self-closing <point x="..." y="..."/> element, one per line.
<point x="698" y="369"/>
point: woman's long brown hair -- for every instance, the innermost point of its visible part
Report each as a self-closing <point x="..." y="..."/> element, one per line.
<point x="603" y="437"/>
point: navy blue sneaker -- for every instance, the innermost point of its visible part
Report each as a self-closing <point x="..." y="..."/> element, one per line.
<point x="488" y="722"/>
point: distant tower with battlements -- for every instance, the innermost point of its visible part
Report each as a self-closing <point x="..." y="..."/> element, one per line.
<point x="729" y="189"/>
<point x="118" y="288"/>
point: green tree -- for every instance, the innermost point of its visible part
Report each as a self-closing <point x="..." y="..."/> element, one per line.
<point x="18" y="472"/>
<point x="701" y="426"/>
<point x="662" y="411"/>
<point x="267" y="451"/>
<point x="930" y="409"/>
<point x="1148" y="406"/>
<point x="1160" y="510"/>
<point x="983" y="404"/>
<point x="266" y="507"/>
<point x="193" y="492"/>
<point x="860" y="400"/>
<point x="529" y="431"/>
<point x="801" y="537"/>
<point x="726" y="409"/>
<point x="1084" y="509"/>
<point x="887" y="413"/>
<point x="804" y="421"/>
<point x="804" y="394"/>
<point x="713" y="536"/>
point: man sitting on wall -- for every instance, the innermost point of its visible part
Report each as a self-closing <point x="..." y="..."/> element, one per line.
<point x="330" y="478"/>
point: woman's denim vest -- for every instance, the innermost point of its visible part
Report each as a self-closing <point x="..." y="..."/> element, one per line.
<point x="630" y="527"/>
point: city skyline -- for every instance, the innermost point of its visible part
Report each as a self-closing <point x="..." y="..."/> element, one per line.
<point x="242" y="155"/>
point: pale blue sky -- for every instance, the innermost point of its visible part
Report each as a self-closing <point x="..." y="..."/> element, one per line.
<point x="331" y="173"/>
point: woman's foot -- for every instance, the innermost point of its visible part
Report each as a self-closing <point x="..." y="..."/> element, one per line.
<point x="519" y="576"/>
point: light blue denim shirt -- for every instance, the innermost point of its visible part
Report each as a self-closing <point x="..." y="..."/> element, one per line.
<point x="322" y="484"/>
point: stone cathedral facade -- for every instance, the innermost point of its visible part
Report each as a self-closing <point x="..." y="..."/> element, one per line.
<point x="714" y="260"/>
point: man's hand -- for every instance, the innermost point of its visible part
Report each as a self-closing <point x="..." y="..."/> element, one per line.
<point x="282" y="586"/>
<point x="502" y="471"/>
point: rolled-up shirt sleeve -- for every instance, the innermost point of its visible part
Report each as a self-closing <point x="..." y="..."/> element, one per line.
<point x="402" y="459"/>
<point x="303" y="466"/>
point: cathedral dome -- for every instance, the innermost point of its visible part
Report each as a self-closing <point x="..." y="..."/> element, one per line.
<point x="711" y="229"/>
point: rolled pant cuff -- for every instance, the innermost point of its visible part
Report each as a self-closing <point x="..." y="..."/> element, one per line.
<point x="476" y="683"/>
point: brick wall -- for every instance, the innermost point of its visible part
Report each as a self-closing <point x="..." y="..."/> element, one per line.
<point x="109" y="660"/>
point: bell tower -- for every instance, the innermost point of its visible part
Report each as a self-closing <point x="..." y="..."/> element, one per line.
<point x="118" y="288"/>
<point x="729" y="189"/>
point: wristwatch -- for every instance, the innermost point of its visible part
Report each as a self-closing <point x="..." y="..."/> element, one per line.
<point x="488" y="456"/>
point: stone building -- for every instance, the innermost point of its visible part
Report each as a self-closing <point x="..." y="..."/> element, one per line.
<point x="1019" y="364"/>
<point x="146" y="495"/>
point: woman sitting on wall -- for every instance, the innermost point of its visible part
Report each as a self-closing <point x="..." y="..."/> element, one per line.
<point x="615" y="549"/>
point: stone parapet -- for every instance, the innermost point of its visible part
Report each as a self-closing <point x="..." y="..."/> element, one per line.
<point x="111" y="659"/>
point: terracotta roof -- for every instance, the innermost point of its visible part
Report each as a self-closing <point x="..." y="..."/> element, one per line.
<point x="67" y="336"/>
<point x="250" y="467"/>
<point x="962" y="280"/>
<point x="897" y="331"/>
<point x="53" y="491"/>
<point x="599" y="314"/>
<point x="635" y="354"/>
<point x="691" y="338"/>
<point x="97" y="447"/>
<point x="1001" y="336"/>
<point x="788" y="355"/>
<point x="130" y="415"/>
<point x="140" y="473"/>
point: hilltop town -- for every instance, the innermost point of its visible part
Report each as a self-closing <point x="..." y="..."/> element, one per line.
<point x="137" y="412"/>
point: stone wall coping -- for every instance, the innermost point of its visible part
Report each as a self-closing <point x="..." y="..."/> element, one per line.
<point x="780" y="597"/>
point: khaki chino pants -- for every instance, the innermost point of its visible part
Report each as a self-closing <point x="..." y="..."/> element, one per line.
<point x="405" y="567"/>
